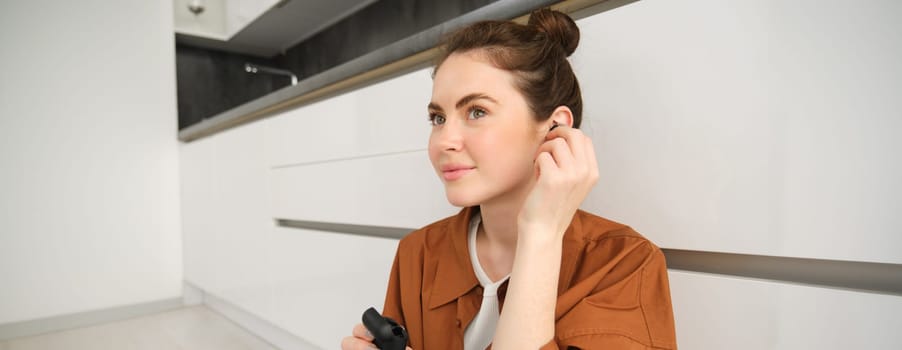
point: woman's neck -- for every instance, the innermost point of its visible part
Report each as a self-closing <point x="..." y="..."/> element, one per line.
<point x="499" y="219"/>
<point x="499" y="223"/>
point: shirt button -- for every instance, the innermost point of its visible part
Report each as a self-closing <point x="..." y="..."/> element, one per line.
<point x="458" y="323"/>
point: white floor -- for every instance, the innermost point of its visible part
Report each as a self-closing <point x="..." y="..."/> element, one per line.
<point x="195" y="327"/>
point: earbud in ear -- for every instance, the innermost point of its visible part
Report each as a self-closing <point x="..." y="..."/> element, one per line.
<point x="554" y="126"/>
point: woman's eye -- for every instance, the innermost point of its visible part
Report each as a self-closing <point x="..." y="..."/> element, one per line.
<point x="476" y="113"/>
<point x="436" y="119"/>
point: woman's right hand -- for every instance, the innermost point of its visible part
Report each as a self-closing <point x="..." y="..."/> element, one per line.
<point x="361" y="340"/>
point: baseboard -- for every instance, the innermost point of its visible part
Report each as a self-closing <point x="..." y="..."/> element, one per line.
<point x="264" y="329"/>
<point x="192" y="295"/>
<point x="84" y="319"/>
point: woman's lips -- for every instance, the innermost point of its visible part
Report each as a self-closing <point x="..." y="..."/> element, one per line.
<point x="451" y="175"/>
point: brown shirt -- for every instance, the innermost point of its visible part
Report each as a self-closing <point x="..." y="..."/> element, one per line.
<point x="613" y="291"/>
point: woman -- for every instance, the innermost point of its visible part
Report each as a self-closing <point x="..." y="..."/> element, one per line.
<point x="520" y="267"/>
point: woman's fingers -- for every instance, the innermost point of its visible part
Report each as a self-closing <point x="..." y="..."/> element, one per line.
<point x="591" y="160"/>
<point x="354" y="343"/>
<point x="574" y="137"/>
<point x="361" y="339"/>
<point x="558" y="150"/>
<point x="567" y="170"/>
<point x="545" y="164"/>
<point x="573" y="153"/>
<point x="361" y="332"/>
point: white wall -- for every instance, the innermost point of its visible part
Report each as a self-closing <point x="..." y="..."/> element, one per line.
<point x="742" y="126"/>
<point x="761" y="127"/>
<point x="312" y="284"/>
<point x="89" y="211"/>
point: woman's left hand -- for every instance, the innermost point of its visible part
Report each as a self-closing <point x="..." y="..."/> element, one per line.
<point x="565" y="170"/>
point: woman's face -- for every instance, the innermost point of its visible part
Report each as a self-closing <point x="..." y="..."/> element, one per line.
<point x="484" y="137"/>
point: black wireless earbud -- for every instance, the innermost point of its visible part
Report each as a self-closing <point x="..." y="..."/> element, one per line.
<point x="387" y="334"/>
<point x="554" y="126"/>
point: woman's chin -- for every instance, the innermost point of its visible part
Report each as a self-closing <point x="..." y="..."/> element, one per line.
<point x="459" y="199"/>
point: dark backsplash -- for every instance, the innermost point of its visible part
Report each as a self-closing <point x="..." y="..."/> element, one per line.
<point x="370" y="29"/>
<point x="211" y="82"/>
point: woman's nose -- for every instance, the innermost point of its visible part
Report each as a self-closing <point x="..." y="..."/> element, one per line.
<point x="449" y="137"/>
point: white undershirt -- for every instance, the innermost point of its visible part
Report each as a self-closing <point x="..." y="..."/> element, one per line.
<point x="481" y="331"/>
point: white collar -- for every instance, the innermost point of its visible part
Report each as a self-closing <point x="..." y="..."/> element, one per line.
<point x="489" y="287"/>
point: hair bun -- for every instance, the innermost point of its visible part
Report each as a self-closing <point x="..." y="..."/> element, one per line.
<point x="559" y="28"/>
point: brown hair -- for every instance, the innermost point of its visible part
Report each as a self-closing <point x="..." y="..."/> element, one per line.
<point x="536" y="53"/>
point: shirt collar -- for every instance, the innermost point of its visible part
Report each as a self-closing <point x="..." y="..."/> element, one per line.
<point x="455" y="276"/>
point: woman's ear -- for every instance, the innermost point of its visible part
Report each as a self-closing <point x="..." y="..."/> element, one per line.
<point x="561" y="116"/>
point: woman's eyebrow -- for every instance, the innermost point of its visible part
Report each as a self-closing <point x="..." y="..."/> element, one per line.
<point x="464" y="101"/>
<point x="475" y="96"/>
